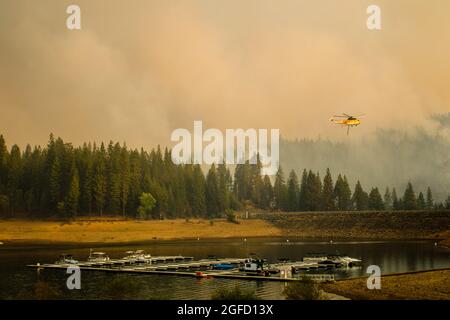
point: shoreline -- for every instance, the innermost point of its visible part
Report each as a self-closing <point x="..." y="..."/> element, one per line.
<point x="18" y="244"/>
<point x="108" y="231"/>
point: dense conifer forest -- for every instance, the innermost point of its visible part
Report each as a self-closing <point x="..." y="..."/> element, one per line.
<point x="62" y="180"/>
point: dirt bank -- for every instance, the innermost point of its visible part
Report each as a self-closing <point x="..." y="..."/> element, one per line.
<point x="363" y="225"/>
<point x="124" y="231"/>
<point x="430" y="285"/>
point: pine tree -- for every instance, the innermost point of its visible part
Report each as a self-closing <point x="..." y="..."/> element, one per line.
<point x="99" y="187"/>
<point x="342" y="193"/>
<point x="124" y="178"/>
<point x="387" y="200"/>
<point x="71" y="203"/>
<point x="14" y="178"/>
<point x="280" y="190"/>
<point x="113" y="196"/>
<point x="313" y="192"/>
<point x="375" y="200"/>
<point x="267" y="193"/>
<point x="198" y="203"/>
<point x="86" y="176"/>
<point x="3" y="165"/>
<point x="430" y="202"/>
<point x="293" y="192"/>
<point x="54" y="184"/>
<point x="360" y="198"/>
<point x="328" y="202"/>
<point x="212" y="193"/>
<point x="225" y="183"/>
<point x="395" y="202"/>
<point x="421" y="204"/>
<point x="409" y="198"/>
<point x="303" y="191"/>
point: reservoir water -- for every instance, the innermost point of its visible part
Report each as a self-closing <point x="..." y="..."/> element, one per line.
<point x="19" y="282"/>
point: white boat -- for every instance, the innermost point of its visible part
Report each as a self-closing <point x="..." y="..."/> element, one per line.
<point x="98" y="257"/>
<point x="345" y="260"/>
<point x="66" y="259"/>
<point x="138" y="256"/>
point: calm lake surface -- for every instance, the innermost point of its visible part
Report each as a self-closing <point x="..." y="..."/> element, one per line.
<point x="19" y="282"/>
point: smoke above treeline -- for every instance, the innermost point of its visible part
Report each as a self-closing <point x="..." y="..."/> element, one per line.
<point x="138" y="70"/>
<point x="387" y="158"/>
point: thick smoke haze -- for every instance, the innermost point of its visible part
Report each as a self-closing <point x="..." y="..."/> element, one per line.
<point x="139" y="69"/>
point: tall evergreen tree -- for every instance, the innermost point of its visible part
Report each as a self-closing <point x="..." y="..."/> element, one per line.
<point x="375" y="200"/>
<point x="421" y="204"/>
<point x="212" y="193"/>
<point x="313" y="192"/>
<point x="387" y="199"/>
<point x="72" y="199"/>
<point x="267" y="193"/>
<point x="280" y="190"/>
<point x="99" y="181"/>
<point x="293" y="192"/>
<point x="342" y="193"/>
<point x="3" y="165"/>
<point x="328" y="202"/>
<point x="430" y="201"/>
<point x="360" y="198"/>
<point x="225" y="183"/>
<point x="303" y="191"/>
<point x="14" y="178"/>
<point x="124" y="174"/>
<point x="198" y="195"/>
<point x="395" y="201"/>
<point x="409" y="198"/>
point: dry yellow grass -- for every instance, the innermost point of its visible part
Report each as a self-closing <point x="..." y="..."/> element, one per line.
<point x="430" y="285"/>
<point x="117" y="231"/>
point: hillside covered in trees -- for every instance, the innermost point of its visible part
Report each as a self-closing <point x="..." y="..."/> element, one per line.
<point x="62" y="180"/>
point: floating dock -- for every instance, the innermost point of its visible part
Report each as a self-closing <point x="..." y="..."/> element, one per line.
<point x="204" y="268"/>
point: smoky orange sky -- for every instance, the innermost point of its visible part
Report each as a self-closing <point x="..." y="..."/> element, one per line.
<point x="139" y="69"/>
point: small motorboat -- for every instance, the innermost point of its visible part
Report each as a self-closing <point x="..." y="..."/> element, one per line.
<point x="66" y="259"/>
<point x="98" y="257"/>
<point x="138" y="256"/>
<point x="344" y="260"/>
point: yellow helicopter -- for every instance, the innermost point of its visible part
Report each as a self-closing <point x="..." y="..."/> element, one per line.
<point x="349" y="121"/>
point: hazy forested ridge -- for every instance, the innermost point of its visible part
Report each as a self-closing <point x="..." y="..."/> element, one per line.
<point x="62" y="180"/>
<point x="389" y="157"/>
